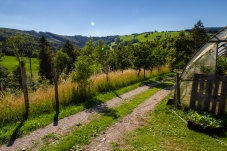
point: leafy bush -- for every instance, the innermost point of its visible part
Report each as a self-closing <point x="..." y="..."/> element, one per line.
<point x="204" y="119"/>
<point x="222" y="65"/>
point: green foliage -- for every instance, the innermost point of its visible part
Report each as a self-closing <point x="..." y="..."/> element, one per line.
<point x="1" y="54"/>
<point x="61" y="61"/>
<point x="134" y="40"/>
<point x="204" y="119"/>
<point x="144" y="56"/>
<point x="72" y="53"/>
<point x="124" y="57"/>
<point x="85" y="67"/>
<point x="101" y="53"/>
<point x="117" y="40"/>
<point x="205" y="69"/>
<point x="199" y="35"/>
<point x="22" y="45"/>
<point x="3" y="77"/>
<point x="17" y="77"/>
<point x="86" y="64"/>
<point x="221" y="65"/>
<point x="183" y="50"/>
<point x="45" y="60"/>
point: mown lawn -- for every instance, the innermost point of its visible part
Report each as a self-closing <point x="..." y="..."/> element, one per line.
<point x="166" y="131"/>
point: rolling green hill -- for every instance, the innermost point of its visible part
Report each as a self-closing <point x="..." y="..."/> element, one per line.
<point x="148" y="36"/>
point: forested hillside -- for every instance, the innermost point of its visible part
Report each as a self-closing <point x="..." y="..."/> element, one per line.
<point x="55" y="40"/>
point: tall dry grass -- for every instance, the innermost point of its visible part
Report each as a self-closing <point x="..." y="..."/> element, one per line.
<point x="43" y="101"/>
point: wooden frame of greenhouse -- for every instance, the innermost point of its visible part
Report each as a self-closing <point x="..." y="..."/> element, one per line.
<point x="200" y="87"/>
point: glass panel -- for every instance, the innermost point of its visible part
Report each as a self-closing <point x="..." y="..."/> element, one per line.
<point x="204" y="62"/>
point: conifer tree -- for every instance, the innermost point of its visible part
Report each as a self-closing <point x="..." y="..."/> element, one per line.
<point x="45" y="60"/>
<point x="199" y="34"/>
<point x="72" y="52"/>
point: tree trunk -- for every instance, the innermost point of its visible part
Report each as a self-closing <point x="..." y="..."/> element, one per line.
<point x="25" y="88"/>
<point x="107" y="79"/>
<point x="138" y="72"/>
<point x="30" y="63"/>
<point x="144" y="73"/>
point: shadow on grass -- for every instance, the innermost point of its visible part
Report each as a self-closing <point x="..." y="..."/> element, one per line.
<point x="112" y="113"/>
<point x="57" y="111"/>
<point x="16" y="131"/>
<point x="99" y="107"/>
<point x="117" y="95"/>
<point x="218" y="132"/>
<point x="55" y="123"/>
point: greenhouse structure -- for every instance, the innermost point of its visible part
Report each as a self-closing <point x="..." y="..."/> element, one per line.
<point x="200" y="85"/>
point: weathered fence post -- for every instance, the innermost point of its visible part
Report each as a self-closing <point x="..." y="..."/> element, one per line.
<point x="25" y="88"/>
<point x="178" y="88"/>
<point x="55" y="79"/>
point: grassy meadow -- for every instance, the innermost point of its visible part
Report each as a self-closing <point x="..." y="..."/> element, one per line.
<point x="141" y="37"/>
<point x="150" y="36"/>
<point x="11" y="62"/>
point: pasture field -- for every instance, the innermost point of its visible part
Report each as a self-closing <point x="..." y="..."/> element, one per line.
<point x="150" y="36"/>
<point x="11" y="62"/>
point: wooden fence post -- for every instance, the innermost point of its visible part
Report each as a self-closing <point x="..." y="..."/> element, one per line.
<point x="178" y="88"/>
<point x="55" y="79"/>
<point x="25" y="88"/>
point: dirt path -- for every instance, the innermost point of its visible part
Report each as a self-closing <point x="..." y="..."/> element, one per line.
<point x="35" y="140"/>
<point x="129" y="123"/>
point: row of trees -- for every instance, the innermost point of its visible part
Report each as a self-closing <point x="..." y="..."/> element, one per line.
<point x="97" y="58"/>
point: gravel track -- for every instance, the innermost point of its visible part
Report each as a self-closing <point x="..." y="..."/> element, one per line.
<point x="34" y="140"/>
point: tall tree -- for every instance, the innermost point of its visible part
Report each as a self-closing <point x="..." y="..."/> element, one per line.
<point x="61" y="61"/>
<point x="199" y="34"/>
<point x="102" y="55"/>
<point x="3" y="77"/>
<point x="72" y="52"/>
<point x="1" y="54"/>
<point x="124" y="57"/>
<point x="20" y="45"/>
<point x="45" y="60"/>
<point x="85" y="67"/>
<point x="183" y="50"/>
<point x="23" y="46"/>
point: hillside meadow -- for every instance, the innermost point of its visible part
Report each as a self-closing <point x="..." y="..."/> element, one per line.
<point x="11" y="62"/>
<point x="150" y="36"/>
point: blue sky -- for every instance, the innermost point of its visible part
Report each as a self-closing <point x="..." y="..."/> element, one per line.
<point x="110" y="17"/>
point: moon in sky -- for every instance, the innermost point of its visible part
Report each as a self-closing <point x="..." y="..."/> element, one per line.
<point x="92" y="23"/>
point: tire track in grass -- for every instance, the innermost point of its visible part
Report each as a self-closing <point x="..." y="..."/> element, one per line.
<point x="130" y="122"/>
<point x="83" y="135"/>
<point x="35" y="139"/>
